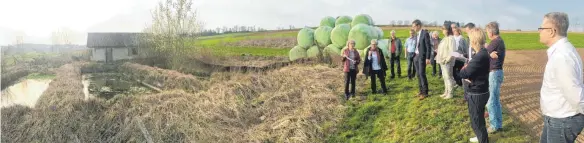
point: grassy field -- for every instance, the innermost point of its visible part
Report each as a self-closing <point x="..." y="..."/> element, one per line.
<point x="401" y="117"/>
<point x="513" y="41"/>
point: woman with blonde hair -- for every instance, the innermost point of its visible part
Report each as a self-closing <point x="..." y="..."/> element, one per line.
<point x="350" y="60"/>
<point x="476" y="73"/>
<point x="445" y="59"/>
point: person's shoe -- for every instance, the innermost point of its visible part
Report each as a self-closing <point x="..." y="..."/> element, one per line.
<point x="492" y="131"/>
<point x="392" y="77"/>
<point x="443" y="95"/>
<point x="474" y="140"/>
<point x="447" y="97"/>
<point x="347" y="96"/>
<point x="422" y="97"/>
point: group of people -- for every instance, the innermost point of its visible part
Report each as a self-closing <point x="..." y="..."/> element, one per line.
<point x="477" y="66"/>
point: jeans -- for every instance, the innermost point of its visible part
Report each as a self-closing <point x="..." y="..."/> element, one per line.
<point x="494" y="104"/>
<point x="476" y="110"/>
<point x="350" y="79"/>
<point x="561" y="130"/>
<point x="420" y="64"/>
<point x="394" y="59"/>
<point x="448" y="79"/>
<point x="411" y="67"/>
<point x="381" y="75"/>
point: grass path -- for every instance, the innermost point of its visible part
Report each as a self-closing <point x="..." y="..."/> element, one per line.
<point x="401" y="117"/>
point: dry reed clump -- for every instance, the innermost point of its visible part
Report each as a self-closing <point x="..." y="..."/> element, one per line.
<point x="162" y="78"/>
<point x="294" y="104"/>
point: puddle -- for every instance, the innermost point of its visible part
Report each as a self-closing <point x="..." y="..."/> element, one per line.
<point x="25" y="93"/>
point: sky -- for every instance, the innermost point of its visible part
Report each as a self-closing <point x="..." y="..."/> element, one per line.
<point x="34" y="20"/>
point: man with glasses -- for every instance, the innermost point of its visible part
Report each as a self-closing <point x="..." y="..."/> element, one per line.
<point x="562" y="91"/>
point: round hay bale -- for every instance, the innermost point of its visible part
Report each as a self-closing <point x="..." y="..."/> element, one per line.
<point x="332" y="50"/>
<point x="379" y="32"/>
<point x="328" y="21"/>
<point x="305" y="38"/>
<point x="362" y="34"/>
<point x="297" y="53"/>
<point x="384" y="46"/>
<point x="313" y="52"/>
<point x="362" y="19"/>
<point x="322" y="35"/>
<point x="343" y="20"/>
<point x="340" y="34"/>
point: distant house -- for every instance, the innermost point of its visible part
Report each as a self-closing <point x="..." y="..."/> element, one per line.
<point x="109" y="47"/>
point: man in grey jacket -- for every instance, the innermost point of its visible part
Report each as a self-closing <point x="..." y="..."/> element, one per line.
<point x="395" y="46"/>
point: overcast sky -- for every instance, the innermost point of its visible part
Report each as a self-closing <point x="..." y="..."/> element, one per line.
<point x="36" y="19"/>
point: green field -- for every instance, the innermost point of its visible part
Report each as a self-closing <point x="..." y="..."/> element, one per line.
<point x="513" y="41"/>
<point x="401" y="117"/>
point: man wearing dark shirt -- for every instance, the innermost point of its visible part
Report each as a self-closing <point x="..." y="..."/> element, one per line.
<point x="496" y="50"/>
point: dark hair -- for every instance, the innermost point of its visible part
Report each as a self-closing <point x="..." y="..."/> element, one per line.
<point x="469" y="25"/>
<point x="447" y="27"/>
<point x="417" y="22"/>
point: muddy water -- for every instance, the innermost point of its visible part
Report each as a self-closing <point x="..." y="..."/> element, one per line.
<point x="26" y="92"/>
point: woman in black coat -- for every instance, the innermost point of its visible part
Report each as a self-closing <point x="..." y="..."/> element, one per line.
<point x="375" y="66"/>
<point x="476" y="73"/>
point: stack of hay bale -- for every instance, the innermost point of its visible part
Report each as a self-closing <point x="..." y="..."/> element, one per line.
<point x="330" y="38"/>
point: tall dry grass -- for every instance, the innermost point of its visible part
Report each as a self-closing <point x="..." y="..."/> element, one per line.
<point x="293" y="104"/>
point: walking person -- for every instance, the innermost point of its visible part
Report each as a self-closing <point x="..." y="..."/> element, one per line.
<point x="496" y="51"/>
<point x="411" y="53"/>
<point x="422" y="58"/>
<point x="350" y="60"/>
<point x="395" y="48"/>
<point x="435" y="43"/>
<point x="376" y="62"/>
<point x="476" y="72"/>
<point x="446" y="61"/>
<point x="562" y="91"/>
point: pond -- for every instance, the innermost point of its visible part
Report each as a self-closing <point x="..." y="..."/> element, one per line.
<point x="25" y="93"/>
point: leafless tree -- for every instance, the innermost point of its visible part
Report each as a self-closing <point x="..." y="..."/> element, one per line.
<point x="171" y="20"/>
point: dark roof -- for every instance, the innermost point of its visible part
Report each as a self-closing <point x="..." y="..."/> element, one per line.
<point x="113" y="39"/>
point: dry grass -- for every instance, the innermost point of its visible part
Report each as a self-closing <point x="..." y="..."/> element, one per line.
<point x="162" y="78"/>
<point x="293" y="104"/>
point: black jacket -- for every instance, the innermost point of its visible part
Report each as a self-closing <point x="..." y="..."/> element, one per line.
<point x="477" y="71"/>
<point x="425" y="45"/>
<point x="368" y="62"/>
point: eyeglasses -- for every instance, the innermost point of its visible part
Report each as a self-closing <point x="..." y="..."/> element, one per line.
<point x="541" y="28"/>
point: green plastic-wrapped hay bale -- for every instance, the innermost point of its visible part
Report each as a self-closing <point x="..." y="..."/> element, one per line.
<point x="383" y="45"/>
<point x="297" y="53"/>
<point x="322" y="35"/>
<point x="343" y="20"/>
<point x="379" y="32"/>
<point x="305" y="38"/>
<point x="340" y="34"/>
<point x="328" y="21"/>
<point x="313" y="52"/>
<point x="362" y="34"/>
<point x="332" y="50"/>
<point x="362" y="19"/>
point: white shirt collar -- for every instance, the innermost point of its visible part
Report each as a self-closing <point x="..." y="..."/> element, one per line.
<point x="557" y="44"/>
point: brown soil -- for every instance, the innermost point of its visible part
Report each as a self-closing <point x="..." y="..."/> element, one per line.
<point x="520" y="90"/>
<point x="284" y="42"/>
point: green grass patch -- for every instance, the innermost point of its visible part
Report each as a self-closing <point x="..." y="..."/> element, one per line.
<point x="40" y="76"/>
<point x="401" y="117"/>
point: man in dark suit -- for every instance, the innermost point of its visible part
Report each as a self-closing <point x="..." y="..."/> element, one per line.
<point x="423" y="53"/>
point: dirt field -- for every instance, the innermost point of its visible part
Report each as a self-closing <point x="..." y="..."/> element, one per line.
<point x="520" y="91"/>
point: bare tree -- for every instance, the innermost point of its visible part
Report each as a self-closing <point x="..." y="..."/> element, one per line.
<point x="172" y="19"/>
<point x="63" y="36"/>
<point x="392" y="22"/>
<point x="400" y="22"/>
